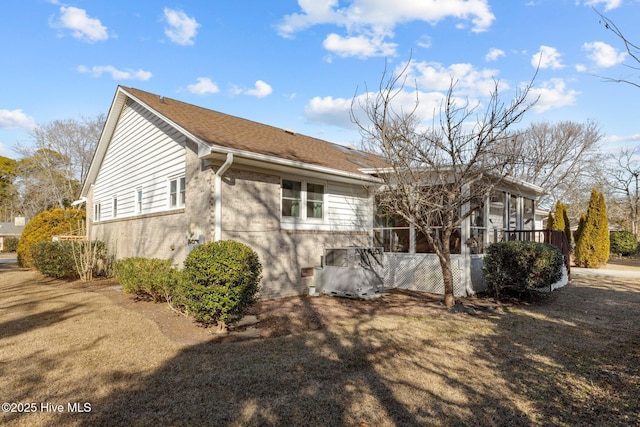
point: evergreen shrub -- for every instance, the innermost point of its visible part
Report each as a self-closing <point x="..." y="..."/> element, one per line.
<point x="44" y="226"/>
<point x="10" y="244"/>
<point x="60" y="259"/>
<point x="146" y="277"/>
<point x="54" y="259"/>
<point x="220" y="280"/>
<point x="623" y="243"/>
<point x="517" y="268"/>
<point x="592" y="236"/>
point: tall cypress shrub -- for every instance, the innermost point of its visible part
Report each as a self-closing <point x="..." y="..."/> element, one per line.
<point x="592" y="245"/>
<point x="603" y="238"/>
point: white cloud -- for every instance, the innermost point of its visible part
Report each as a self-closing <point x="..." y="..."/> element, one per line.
<point x="203" y="87"/>
<point x="329" y="110"/>
<point x="15" y="119"/>
<point x="360" y="46"/>
<point x="608" y="4"/>
<point x="604" y="55"/>
<point x="81" y="25"/>
<point x="552" y="94"/>
<point x="547" y="57"/>
<point x="181" y="29"/>
<point x="369" y="22"/>
<point x="260" y="90"/>
<point x="433" y="81"/>
<point x="425" y="42"/>
<point x="470" y="81"/>
<point x="116" y="74"/>
<point x="494" y="54"/>
<point x="3" y="150"/>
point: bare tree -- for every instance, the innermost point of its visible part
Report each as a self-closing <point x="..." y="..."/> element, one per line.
<point x="44" y="182"/>
<point x="632" y="49"/>
<point x="624" y="184"/>
<point x="561" y="158"/>
<point x="435" y="171"/>
<point x="57" y="162"/>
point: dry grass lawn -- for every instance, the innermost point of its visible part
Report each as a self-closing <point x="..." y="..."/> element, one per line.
<point x="571" y="359"/>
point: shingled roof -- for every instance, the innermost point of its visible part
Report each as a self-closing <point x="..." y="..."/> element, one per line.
<point x="224" y="130"/>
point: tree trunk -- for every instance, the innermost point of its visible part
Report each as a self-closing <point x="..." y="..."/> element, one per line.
<point x="447" y="276"/>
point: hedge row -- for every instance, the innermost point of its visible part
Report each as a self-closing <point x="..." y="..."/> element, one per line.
<point x="62" y="259"/>
<point x="220" y="280"/>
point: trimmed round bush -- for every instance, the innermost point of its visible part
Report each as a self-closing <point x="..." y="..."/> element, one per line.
<point x="623" y="243"/>
<point x="516" y="268"/>
<point x="44" y="226"/>
<point x="220" y="280"/>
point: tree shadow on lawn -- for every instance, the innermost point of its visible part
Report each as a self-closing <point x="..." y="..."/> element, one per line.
<point x="369" y="371"/>
<point x="574" y="359"/>
<point x="566" y="361"/>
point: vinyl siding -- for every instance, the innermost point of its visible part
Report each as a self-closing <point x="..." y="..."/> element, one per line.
<point x="144" y="153"/>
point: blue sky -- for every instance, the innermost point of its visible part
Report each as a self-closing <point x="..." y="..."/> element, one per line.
<point x="298" y="64"/>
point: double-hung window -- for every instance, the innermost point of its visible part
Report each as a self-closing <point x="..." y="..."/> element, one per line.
<point x="315" y="201"/>
<point x="303" y="200"/>
<point x="176" y="192"/>
<point x="291" y="198"/>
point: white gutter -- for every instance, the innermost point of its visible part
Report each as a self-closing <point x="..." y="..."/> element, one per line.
<point x="80" y="201"/>
<point x="217" y="233"/>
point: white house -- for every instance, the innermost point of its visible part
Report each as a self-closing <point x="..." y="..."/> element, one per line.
<point x="168" y="175"/>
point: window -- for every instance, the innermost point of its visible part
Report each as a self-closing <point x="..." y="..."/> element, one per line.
<point x="139" y="201"/>
<point x="302" y="200"/>
<point x="478" y="227"/>
<point x="528" y="215"/>
<point x="315" y="200"/>
<point x="176" y="192"/>
<point x="291" y="198"/>
<point x="96" y="211"/>
<point x="115" y="206"/>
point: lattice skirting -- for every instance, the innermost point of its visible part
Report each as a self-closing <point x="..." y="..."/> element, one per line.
<point x="421" y="272"/>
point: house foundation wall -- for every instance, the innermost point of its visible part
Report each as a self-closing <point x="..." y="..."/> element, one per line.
<point x="251" y="215"/>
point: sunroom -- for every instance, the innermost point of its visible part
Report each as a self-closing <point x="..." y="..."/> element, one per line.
<point x="504" y="213"/>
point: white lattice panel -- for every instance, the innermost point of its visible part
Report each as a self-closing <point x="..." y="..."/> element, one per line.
<point x="420" y="272"/>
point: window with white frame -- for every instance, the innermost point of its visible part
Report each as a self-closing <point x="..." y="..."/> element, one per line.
<point x="138" y="196"/>
<point x="315" y="201"/>
<point x="302" y="199"/>
<point x="97" y="208"/>
<point x="114" y="207"/>
<point x="176" y="192"/>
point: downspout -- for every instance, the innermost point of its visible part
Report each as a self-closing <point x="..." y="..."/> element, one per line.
<point x="217" y="232"/>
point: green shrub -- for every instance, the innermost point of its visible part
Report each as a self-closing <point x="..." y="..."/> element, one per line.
<point x="623" y="243"/>
<point x="54" y="259"/>
<point x="10" y="244"/>
<point x="592" y="243"/>
<point x="61" y="259"/>
<point x="150" y="277"/>
<point x="516" y="268"/>
<point x="44" y="226"/>
<point x="220" y="280"/>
